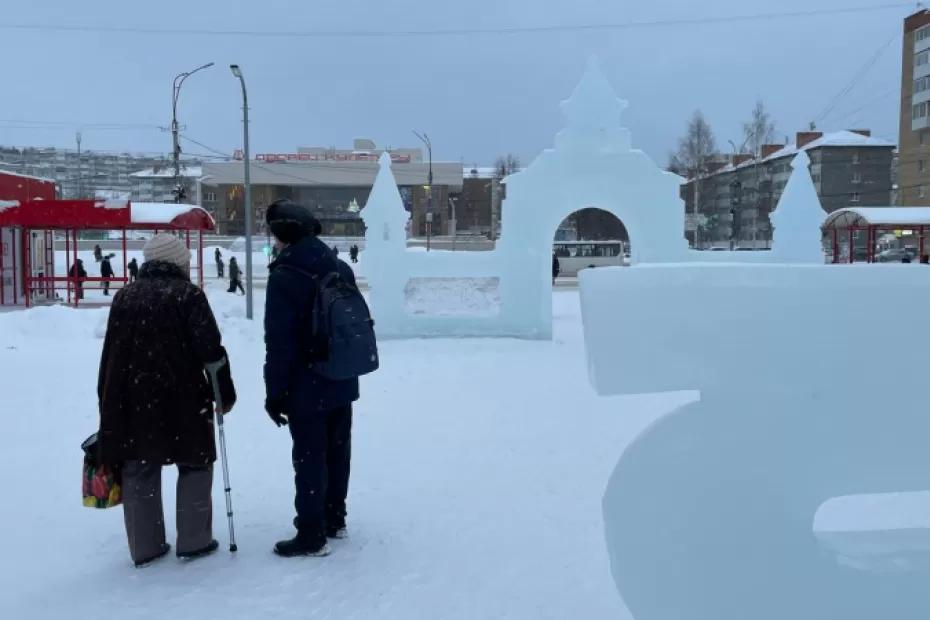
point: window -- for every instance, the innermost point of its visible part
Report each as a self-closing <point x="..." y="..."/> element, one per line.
<point x="920" y="165"/>
<point x="857" y="177"/>
<point x="923" y="138"/>
<point x="854" y="197"/>
<point x="922" y="191"/>
<point x="922" y="58"/>
<point x="922" y="33"/>
<point x="209" y="197"/>
<point x="855" y="158"/>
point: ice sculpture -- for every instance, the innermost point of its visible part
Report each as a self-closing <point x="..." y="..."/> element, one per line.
<point x="710" y="512"/>
<point x="798" y="217"/>
<point x="591" y="165"/>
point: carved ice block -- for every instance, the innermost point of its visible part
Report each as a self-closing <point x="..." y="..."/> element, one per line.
<point x="813" y="383"/>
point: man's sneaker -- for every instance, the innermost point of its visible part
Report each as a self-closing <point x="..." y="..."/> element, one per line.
<point x="337" y="532"/>
<point x="164" y="551"/>
<point x="199" y="553"/>
<point x="295" y="547"/>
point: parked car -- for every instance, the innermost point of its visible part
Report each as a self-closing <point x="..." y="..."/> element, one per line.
<point x="896" y="255"/>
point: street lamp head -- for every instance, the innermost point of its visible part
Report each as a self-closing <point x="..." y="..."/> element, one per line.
<point x="236" y="71"/>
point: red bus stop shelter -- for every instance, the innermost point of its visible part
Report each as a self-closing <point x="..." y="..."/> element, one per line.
<point x="38" y="221"/>
<point x="844" y="224"/>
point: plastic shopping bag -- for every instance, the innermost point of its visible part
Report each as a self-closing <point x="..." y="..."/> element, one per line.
<point x="101" y="484"/>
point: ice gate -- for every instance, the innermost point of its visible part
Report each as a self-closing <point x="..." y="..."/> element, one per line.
<point x="508" y="290"/>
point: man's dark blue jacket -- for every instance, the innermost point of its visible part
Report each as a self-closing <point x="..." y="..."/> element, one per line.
<point x="290" y="297"/>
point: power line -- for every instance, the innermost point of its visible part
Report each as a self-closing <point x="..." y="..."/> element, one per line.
<point x="68" y="124"/>
<point x="503" y="30"/>
<point x="855" y="80"/>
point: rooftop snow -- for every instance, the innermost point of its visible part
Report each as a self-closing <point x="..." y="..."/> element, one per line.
<point x="168" y="172"/>
<point x="864" y="216"/>
<point x="159" y="212"/>
<point x="24" y="176"/>
<point x="835" y="139"/>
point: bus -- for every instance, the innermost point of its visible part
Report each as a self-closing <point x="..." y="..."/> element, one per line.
<point x="577" y="255"/>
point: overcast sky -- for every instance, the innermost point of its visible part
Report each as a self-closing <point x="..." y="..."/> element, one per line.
<point x="476" y="95"/>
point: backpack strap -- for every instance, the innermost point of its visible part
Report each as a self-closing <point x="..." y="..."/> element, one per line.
<point x="320" y="285"/>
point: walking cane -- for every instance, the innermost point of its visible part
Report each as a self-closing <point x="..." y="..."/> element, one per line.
<point x="214" y="368"/>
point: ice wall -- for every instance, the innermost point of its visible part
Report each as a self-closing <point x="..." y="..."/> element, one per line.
<point x="709" y="513"/>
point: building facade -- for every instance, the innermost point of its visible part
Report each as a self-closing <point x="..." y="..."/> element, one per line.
<point x="158" y="184"/>
<point x="734" y="201"/>
<point x="914" y="124"/>
<point x="87" y="174"/>
<point x="335" y="190"/>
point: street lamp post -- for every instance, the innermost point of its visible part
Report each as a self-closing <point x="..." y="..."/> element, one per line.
<point x="429" y="198"/>
<point x="236" y="71"/>
<point x="176" y="150"/>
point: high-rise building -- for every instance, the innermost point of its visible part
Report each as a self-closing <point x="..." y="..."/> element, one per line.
<point x="914" y="132"/>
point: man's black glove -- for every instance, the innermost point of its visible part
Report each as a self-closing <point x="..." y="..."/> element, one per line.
<point x="277" y="410"/>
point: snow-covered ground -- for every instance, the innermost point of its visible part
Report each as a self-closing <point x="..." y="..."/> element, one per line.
<point x="478" y="471"/>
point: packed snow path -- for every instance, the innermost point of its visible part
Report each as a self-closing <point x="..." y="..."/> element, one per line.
<point x="477" y="476"/>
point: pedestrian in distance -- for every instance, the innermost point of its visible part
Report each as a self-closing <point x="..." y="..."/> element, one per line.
<point x="218" y="256"/>
<point x="98" y="253"/>
<point x="234" y="277"/>
<point x="78" y="273"/>
<point x="106" y="271"/>
<point x="353" y="253"/>
<point x="156" y="401"/>
<point x="336" y="251"/>
<point x="302" y="388"/>
<point x="133" y="267"/>
<point x="556" y="268"/>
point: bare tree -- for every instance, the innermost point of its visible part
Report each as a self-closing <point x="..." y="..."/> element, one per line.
<point x="505" y="165"/>
<point x="759" y="130"/>
<point x="695" y="148"/>
<point x="690" y="160"/>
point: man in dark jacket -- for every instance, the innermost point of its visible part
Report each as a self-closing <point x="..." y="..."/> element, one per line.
<point x="106" y="271"/>
<point x="556" y="267"/>
<point x="353" y="253"/>
<point x="156" y="401"/>
<point x="318" y="410"/>
<point x="133" y="270"/>
<point x="234" y="276"/>
<point x="78" y="273"/>
<point x="218" y="257"/>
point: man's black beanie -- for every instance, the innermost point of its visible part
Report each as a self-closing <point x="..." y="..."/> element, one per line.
<point x="291" y="222"/>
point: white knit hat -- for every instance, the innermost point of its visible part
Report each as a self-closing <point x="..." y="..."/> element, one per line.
<point x="168" y="248"/>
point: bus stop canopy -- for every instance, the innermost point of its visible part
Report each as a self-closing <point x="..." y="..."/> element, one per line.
<point x="103" y="215"/>
<point x="873" y="221"/>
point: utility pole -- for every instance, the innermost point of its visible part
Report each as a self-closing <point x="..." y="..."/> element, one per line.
<point x="237" y="72"/>
<point x="495" y="202"/>
<point x="429" y="188"/>
<point x="80" y="190"/>
<point x="175" y="136"/>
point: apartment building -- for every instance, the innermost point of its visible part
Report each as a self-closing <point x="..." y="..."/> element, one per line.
<point x="734" y="201"/>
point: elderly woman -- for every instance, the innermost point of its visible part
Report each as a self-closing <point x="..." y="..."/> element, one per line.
<point x="156" y="401"/>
